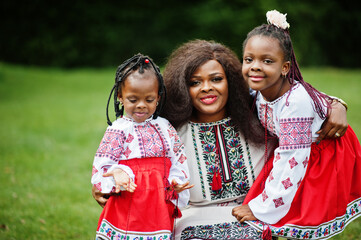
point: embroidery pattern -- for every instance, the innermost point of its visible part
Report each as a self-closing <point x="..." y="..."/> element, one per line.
<point x="270" y="122"/>
<point x="234" y="159"/>
<point x="326" y="230"/>
<point x="198" y="162"/>
<point x="111" y="145"/>
<point x="150" y="142"/>
<point x="233" y="230"/>
<point x="108" y="231"/>
<point x="295" y="133"/>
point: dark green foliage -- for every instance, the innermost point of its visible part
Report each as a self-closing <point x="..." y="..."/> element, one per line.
<point x="104" y="33"/>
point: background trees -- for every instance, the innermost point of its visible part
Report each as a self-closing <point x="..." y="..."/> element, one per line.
<point x="104" y="33"/>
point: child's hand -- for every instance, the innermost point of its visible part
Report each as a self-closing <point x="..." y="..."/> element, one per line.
<point x="180" y="187"/>
<point x="243" y="213"/>
<point x="121" y="178"/>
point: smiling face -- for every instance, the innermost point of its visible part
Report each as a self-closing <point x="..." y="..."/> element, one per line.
<point x="209" y="92"/>
<point x="139" y="95"/>
<point x="264" y="65"/>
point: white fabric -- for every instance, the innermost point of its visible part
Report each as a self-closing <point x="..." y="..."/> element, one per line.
<point x="126" y="140"/>
<point x="204" y="208"/>
<point x="295" y="126"/>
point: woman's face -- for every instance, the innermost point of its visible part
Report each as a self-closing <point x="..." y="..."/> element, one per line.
<point x="209" y="92"/>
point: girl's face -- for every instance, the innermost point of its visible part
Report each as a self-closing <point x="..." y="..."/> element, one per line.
<point x="264" y="65"/>
<point x="139" y="95"/>
<point x="209" y="92"/>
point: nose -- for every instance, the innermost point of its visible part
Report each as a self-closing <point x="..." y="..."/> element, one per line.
<point x="141" y="104"/>
<point x="255" y="66"/>
<point x="207" y="86"/>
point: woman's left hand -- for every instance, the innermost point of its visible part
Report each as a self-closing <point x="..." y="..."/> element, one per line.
<point x="243" y="213"/>
<point x="336" y="124"/>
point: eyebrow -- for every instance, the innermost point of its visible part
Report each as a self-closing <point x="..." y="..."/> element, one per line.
<point x="212" y="74"/>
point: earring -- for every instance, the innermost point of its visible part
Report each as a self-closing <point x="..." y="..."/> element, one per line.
<point x="121" y="103"/>
<point x="157" y="103"/>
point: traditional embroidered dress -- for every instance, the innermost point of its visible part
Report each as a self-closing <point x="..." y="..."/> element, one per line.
<point x="211" y="148"/>
<point x="152" y="155"/>
<point x="311" y="191"/>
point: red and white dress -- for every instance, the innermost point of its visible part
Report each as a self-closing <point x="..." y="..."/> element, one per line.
<point x="309" y="190"/>
<point x="152" y="155"/>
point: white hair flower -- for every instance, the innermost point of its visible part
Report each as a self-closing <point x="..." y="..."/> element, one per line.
<point x="278" y="19"/>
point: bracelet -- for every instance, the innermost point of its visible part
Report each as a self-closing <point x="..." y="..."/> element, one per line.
<point x="342" y="102"/>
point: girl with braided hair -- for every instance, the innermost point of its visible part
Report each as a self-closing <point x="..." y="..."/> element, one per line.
<point x="310" y="190"/>
<point x="140" y="160"/>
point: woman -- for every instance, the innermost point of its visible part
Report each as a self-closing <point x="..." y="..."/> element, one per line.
<point x="210" y="105"/>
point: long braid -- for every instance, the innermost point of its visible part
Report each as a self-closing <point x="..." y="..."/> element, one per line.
<point x="320" y="100"/>
<point x="137" y="62"/>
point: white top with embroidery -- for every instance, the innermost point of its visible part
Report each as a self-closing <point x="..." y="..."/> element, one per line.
<point x="127" y="139"/>
<point x="218" y="145"/>
<point x="295" y="126"/>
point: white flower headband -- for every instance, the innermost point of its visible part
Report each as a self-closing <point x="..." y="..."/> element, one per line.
<point x="278" y="19"/>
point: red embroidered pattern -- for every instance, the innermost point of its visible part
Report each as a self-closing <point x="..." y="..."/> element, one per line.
<point x="293" y="162"/>
<point x="270" y="177"/>
<point x="278" y="202"/>
<point x="305" y="162"/>
<point x="98" y="186"/>
<point x="94" y="171"/>
<point x="111" y="145"/>
<point x="287" y="183"/>
<point x="270" y="123"/>
<point x="130" y="138"/>
<point x="278" y="157"/>
<point x="182" y="159"/>
<point x="150" y="142"/>
<point x="264" y="195"/>
<point x="295" y="133"/>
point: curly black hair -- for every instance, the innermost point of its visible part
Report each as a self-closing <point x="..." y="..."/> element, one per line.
<point x="184" y="61"/>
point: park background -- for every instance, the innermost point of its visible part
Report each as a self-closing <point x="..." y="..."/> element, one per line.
<point x="57" y="66"/>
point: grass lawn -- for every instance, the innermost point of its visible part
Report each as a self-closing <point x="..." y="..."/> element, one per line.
<point x="50" y="126"/>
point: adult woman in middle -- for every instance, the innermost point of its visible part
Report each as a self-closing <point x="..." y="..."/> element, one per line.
<point x="210" y="105"/>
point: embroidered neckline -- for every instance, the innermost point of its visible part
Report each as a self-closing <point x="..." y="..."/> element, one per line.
<point x="136" y="123"/>
<point x="211" y="123"/>
<point x="263" y="101"/>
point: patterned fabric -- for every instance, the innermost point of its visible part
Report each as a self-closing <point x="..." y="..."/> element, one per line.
<point x="233" y="230"/>
<point x="126" y="139"/>
<point x="324" y="231"/>
<point x="295" y="133"/>
<point x="295" y="124"/>
<point x="212" y="146"/>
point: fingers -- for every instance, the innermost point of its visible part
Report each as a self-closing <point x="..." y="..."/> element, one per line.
<point x="102" y="201"/>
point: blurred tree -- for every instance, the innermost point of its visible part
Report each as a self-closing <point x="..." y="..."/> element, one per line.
<point x="103" y="33"/>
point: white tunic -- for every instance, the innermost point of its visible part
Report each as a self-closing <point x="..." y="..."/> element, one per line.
<point x="127" y="139"/>
<point x="208" y="146"/>
<point x="295" y="126"/>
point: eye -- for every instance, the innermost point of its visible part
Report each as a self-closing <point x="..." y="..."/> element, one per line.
<point x="247" y="60"/>
<point x="131" y="100"/>
<point x="193" y="83"/>
<point x="217" y="79"/>
<point x="268" y="61"/>
<point x="150" y="100"/>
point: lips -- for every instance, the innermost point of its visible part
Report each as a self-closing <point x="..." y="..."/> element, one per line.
<point x="209" y="99"/>
<point x="140" y="114"/>
<point x="256" y="78"/>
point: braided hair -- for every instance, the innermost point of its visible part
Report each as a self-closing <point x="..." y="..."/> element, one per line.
<point x="283" y="36"/>
<point x="139" y="63"/>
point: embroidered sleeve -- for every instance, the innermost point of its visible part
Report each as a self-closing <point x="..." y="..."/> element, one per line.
<point x="179" y="169"/>
<point x="107" y="159"/>
<point x="289" y="164"/>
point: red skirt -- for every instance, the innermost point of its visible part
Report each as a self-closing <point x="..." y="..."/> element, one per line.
<point x="143" y="213"/>
<point x="329" y="196"/>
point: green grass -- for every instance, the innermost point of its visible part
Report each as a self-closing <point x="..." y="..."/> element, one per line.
<point x="50" y="126"/>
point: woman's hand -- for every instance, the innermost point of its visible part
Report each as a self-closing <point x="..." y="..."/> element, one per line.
<point x="121" y="179"/>
<point x="336" y="124"/>
<point x="181" y="187"/>
<point x="101" y="198"/>
<point x="243" y="213"/>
